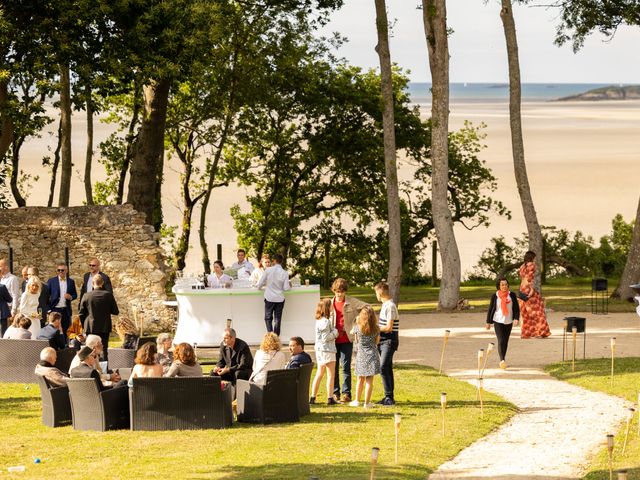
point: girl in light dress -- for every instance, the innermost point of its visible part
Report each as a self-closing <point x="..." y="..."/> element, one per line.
<point x="325" y="347"/>
<point x="367" y="333"/>
<point x="268" y="357"/>
<point x="29" y="304"/>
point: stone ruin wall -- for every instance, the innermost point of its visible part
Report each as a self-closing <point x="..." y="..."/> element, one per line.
<point x="127" y="248"/>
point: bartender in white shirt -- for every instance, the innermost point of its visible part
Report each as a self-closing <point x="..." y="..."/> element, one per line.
<point x="256" y="275"/>
<point x="276" y="281"/>
<point x="243" y="266"/>
<point x="219" y="279"/>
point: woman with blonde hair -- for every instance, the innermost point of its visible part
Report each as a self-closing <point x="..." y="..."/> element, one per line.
<point x="30" y="302"/>
<point x="184" y="363"/>
<point x="325" y="348"/>
<point x="146" y="363"/>
<point x="127" y="332"/>
<point x="268" y="357"/>
<point x="367" y="333"/>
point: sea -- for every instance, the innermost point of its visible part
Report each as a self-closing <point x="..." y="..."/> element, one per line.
<point x="420" y="92"/>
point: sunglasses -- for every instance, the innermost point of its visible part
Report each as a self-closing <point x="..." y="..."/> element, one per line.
<point x="62" y="270"/>
<point x="92" y="265"/>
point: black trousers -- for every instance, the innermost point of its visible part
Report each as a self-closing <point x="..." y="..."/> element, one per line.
<point x="502" y="334"/>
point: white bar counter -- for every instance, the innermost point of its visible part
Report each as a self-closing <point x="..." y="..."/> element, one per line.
<point x="203" y="314"/>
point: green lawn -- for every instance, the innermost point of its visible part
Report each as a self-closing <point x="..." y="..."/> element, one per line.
<point x="567" y="295"/>
<point x="595" y="374"/>
<point x="331" y="443"/>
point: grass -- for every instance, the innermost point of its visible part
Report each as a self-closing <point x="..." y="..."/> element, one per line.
<point x="566" y="295"/>
<point x="595" y="374"/>
<point x="331" y="443"/>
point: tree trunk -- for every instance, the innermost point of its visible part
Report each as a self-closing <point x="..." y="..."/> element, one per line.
<point x="631" y="272"/>
<point x="394" y="275"/>
<point x="88" y="186"/>
<point x="131" y="136"/>
<point x="517" y="144"/>
<point x="435" y="25"/>
<point x="149" y="150"/>
<point x="6" y="122"/>
<point x="15" y="172"/>
<point x="54" y="167"/>
<point x="65" y="143"/>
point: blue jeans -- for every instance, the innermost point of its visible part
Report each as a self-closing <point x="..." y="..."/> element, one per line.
<point x="273" y="316"/>
<point x="343" y="359"/>
<point x="387" y="348"/>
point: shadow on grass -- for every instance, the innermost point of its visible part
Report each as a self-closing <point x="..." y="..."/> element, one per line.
<point x="632" y="474"/>
<point x="325" y="470"/>
<point x="595" y="367"/>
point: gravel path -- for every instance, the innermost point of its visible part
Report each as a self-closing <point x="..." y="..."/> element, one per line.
<point x="560" y="426"/>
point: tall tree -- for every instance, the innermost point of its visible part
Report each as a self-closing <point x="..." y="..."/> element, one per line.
<point x="578" y="19"/>
<point x="65" y="143"/>
<point x="517" y="143"/>
<point x="394" y="276"/>
<point x="434" y="14"/>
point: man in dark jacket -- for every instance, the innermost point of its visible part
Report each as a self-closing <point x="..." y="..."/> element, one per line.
<point x="5" y="309"/>
<point x="95" y="312"/>
<point x="236" y="360"/>
<point x="298" y="355"/>
<point x="86" y="369"/>
<point x="94" y="271"/>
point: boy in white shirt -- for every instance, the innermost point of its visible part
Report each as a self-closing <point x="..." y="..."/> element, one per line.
<point x="389" y="321"/>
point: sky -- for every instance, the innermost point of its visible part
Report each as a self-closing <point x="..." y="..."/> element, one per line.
<point x="477" y="46"/>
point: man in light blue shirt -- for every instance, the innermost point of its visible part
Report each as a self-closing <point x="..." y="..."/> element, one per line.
<point x="276" y="281"/>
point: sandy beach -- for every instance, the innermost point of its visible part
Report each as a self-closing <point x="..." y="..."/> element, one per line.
<point x="580" y="158"/>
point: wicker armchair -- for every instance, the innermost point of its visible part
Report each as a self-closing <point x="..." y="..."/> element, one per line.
<point x="304" y="377"/>
<point x="121" y="358"/>
<point x="93" y="409"/>
<point x="274" y="402"/>
<point x="56" y="407"/>
<point x="18" y="359"/>
<point x="179" y="403"/>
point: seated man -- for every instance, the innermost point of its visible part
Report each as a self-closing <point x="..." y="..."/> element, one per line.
<point x="298" y="355"/>
<point x="86" y="368"/>
<point x="47" y="369"/>
<point x="235" y="361"/>
<point x="95" y="343"/>
<point x="53" y="331"/>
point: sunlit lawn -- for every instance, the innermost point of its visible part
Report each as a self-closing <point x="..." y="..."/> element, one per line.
<point x="595" y="374"/>
<point x="331" y="443"/>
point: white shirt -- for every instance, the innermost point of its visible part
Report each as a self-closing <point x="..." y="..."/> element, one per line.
<point x="265" y="361"/>
<point x="214" y="282"/>
<point x="62" y="303"/>
<point x="90" y="282"/>
<point x="247" y="265"/>
<point x="10" y="281"/>
<point x="276" y="280"/>
<point x="389" y="313"/>
<point x="499" y="317"/>
<point x="256" y="275"/>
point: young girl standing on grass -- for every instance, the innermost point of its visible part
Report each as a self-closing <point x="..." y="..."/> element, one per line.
<point x="389" y="324"/>
<point x="367" y="333"/>
<point x="325" y="348"/>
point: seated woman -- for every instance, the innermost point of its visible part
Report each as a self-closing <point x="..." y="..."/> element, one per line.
<point x="268" y="357"/>
<point x="165" y="355"/>
<point x="74" y="333"/>
<point x="219" y="279"/>
<point x="146" y="363"/>
<point x="19" y="329"/>
<point x="30" y="303"/>
<point x="184" y="363"/>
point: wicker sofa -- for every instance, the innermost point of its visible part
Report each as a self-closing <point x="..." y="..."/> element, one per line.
<point x="18" y="359"/>
<point x="180" y="403"/>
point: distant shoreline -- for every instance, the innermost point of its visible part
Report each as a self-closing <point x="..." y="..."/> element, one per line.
<point x="611" y="92"/>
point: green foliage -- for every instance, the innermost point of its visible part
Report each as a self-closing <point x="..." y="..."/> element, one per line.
<point x="565" y="253"/>
<point x="580" y="18"/>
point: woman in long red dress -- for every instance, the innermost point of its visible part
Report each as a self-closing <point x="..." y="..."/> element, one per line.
<point x="532" y="316"/>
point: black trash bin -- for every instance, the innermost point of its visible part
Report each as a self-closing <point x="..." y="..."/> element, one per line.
<point x="599" y="296"/>
<point x="581" y="327"/>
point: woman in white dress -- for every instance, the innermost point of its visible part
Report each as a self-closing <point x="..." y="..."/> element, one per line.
<point x="257" y="273"/>
<point x="29" y="304"/>
<point x="219" y="279"/>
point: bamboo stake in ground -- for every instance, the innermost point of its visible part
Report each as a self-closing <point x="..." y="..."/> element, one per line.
<point x="486" y="357"/>
<point x="610" y="449"/>
<point x="613" y="355"/>
<point x="638" y="414"/>
<point x="396" y="421"/>
<point x="622" y="475"/>
<point x="574" y="332"/>
<point x="443" y="407"/>
<point x="630" y="415"/>
<point x="480" y="358"/>
<point x="374" y="461"/>
<point x="445" y="339"/>
<point x="480" y="394"/>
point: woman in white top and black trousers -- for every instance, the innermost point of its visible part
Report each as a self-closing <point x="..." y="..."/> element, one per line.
<point x="503" y="313"/>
